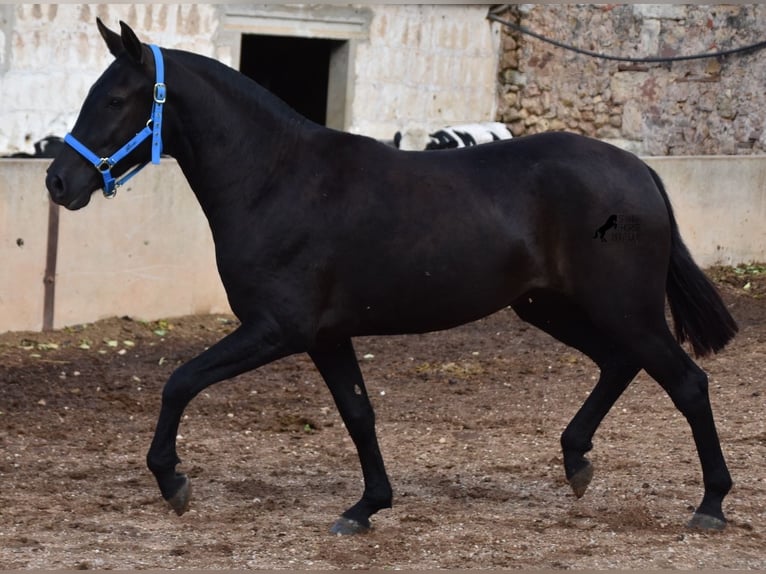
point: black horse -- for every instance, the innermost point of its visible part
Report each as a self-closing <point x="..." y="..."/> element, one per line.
<point x="322" y="236"/>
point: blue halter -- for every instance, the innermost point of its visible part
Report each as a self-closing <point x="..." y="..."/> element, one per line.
<point x="153" y="128"/>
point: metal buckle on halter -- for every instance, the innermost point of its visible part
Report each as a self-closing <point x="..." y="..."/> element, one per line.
<point x="160" y="93"/>
<point x="104" y="165"/>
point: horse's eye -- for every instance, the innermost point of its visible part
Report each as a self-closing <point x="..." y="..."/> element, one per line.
<point x="115" y="102"/>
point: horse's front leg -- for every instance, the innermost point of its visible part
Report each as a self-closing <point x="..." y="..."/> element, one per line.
<point x="340" y="370"/>
<point x="247" y="348"/>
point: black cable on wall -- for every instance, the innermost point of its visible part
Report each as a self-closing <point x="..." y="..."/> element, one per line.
<point x="494" y="16"/>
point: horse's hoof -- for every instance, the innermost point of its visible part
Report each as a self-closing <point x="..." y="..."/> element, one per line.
<point x="581" y="479"/>
<point x="706" y="522"/>
<point x="179" y="502"/>
<point x="345" y="526"/>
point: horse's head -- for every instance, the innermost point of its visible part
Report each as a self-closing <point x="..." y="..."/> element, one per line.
<point x="115" y="110"/>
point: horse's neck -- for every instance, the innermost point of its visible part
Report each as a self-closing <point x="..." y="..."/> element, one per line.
<point x="227" y="134"/>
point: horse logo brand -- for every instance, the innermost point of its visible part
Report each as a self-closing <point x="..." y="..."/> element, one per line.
<point x="625" y="228"/>
<point x="601" y="231"/>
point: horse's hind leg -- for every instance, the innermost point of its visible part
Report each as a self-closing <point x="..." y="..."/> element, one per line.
<point x="636" y="320"/>
<point x="338" y="366"/>
<point x="568" y="323"/>
<point x="621" y="348"/>
<point x="687" y="385"/>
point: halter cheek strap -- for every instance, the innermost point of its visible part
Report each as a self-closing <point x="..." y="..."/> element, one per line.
<point x="153" y="128"/>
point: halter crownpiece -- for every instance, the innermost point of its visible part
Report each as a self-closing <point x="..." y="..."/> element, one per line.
<point x="153" y="128"/>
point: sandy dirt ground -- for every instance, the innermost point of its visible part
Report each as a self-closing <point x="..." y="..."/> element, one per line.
<point x="469" y="423"/>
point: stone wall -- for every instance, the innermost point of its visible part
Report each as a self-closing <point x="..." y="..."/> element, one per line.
<point x="709" y="106"/>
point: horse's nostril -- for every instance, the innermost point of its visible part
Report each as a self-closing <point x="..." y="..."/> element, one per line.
<point x="55" y="186"/>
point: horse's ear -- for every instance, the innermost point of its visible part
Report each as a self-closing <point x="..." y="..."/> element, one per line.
<point x="120" y="44"/>
<point x="112" y="39"/>
<point x="132" y="44"/>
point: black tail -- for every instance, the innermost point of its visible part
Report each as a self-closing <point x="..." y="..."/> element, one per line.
<point x="699" y="313"/>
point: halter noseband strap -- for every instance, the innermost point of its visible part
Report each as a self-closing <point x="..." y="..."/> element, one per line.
<point x="153" y="128"/>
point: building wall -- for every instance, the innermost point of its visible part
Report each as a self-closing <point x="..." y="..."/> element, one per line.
<point x="411" y="66"/>
<point x="425" y="66"/>
<point x="709" y="106"/>
<point x="53" y="53"/>
<point x="418" y="67"/>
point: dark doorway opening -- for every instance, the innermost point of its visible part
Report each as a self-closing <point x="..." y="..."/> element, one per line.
<point x="295" y="69"/>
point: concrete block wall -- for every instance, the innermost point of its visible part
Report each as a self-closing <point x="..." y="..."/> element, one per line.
<point x="720" y="205"/>
<point x="23" y="244"/>
<point x="148" y="253"/>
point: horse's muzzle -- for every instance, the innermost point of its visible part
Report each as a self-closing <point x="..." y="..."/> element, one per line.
<point x="57" y="189"/>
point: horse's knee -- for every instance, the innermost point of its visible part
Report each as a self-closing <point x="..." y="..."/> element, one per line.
<point x="178" y="389"/>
